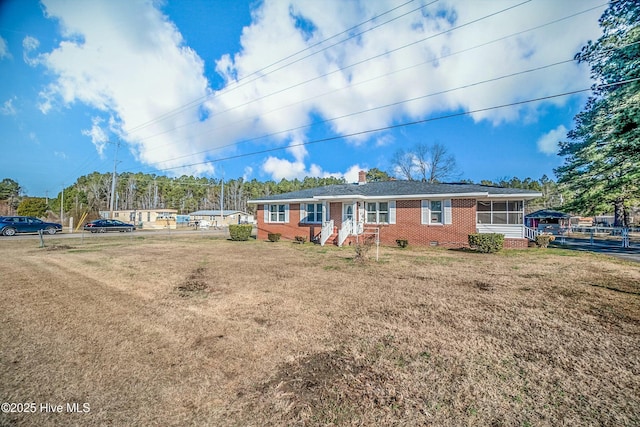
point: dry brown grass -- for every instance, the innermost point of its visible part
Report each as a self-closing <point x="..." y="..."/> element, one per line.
<point x="213" y="332"/>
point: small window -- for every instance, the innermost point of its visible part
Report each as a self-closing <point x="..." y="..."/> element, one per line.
<point x="383" y="212"/>
<point x="314" y="212"/>
<point x="277" y="213"/>
<point x="371" y="213"/>
<point x="436" y="212"/>
<point x="377" y="212"/>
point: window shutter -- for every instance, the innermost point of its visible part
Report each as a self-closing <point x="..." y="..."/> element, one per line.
<point x="447" y="212"/>
<point x="303" y="213"/>
<point x="424" y="212"/>
<point x="266" y="214"/>
<point x="392" y="212"/>
<point x="286" y="213"/>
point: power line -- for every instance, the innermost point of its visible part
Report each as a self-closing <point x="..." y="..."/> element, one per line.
<point x="261" y="75"/>
<point x="397" y="103"/>
<point x="405" y="124"/>
<point x="375" y="57"/>
<point x="380" y="107"/>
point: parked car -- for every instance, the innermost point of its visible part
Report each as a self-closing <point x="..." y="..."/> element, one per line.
<point x="10" y="225"/>
<point x="104" y="225"/>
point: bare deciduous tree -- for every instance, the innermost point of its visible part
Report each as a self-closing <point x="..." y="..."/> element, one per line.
<point x="402" y="164"/>
<point x="430" y="163"/>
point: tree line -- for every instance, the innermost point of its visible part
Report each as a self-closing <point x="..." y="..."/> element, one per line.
<point x="91" y="193"/>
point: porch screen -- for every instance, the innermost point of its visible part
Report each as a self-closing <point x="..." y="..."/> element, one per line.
<point x="499" y="212"/>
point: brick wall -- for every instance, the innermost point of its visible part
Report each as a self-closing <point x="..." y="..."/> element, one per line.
<point x="288" y="230"/>
<point x="516" y="243"/>
<point x="408" y="225"/>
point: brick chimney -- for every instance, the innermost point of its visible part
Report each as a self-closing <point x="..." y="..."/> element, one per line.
<point x="362" y="177"/>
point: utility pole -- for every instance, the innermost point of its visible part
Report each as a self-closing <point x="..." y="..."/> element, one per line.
<point x="62" y="207"/>
<point x="222" y="201"/>
<point x="113" y="181"/>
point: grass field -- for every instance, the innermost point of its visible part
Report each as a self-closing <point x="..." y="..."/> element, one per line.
<point x="151" y="331"/>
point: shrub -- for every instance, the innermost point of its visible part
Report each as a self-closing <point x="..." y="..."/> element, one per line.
<point x="543" y="240"/>
<point x="240" y="232"/>
<point x="301" y="239"/>
<point x="273" y="237"/>
<point x="362" y="248"/>
<point x="486" y="243"/>
<point x="403" y="243"/>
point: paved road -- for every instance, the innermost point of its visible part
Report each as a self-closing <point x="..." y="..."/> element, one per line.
<point x="609" y="247"/>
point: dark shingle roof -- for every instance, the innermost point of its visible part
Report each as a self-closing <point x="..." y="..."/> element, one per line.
<point x="398" y="189"/>
<point x="546" y="213"/>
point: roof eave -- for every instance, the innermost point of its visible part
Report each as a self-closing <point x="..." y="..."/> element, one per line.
<point x="523" y="196"/>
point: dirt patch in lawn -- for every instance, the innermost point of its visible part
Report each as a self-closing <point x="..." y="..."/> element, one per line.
<point x="212" y="332"/>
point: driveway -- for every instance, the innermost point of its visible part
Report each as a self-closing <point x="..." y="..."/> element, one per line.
<point x="613" y="248"/>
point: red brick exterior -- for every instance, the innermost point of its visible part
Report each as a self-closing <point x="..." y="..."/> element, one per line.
<point x="516" y="243"/>
<point x="408" y="225"/>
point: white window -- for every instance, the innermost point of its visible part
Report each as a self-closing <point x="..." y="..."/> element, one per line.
<point x="436" y="212"/>
<point x="499" y="212"/>
<point x="276" y="213"/>
<point x="380" y="212"/>
<point x="314" y="212"/>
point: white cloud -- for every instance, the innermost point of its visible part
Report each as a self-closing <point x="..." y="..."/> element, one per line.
<point x="279" y="169"/>
<point x="351" y="175"/>
<point x="29" y="46"/>
<point x="7" y="108"/>
<point x="248" y="171"/>
<point x="4" y="49"/>
<point x="548" y="143"/>
<point x="130" y="61"/>
<point x="396" y="74"/>
<point x="98" y="135"/>
<point x="283" y="169"/>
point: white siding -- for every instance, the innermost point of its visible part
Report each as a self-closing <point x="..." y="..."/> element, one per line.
<point x="514" y="231"/>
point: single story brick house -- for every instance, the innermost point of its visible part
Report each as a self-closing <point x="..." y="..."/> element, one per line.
<point x="422" y="213"/>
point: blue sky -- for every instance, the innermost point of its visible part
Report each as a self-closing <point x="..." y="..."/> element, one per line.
<point x="278" y="89"/>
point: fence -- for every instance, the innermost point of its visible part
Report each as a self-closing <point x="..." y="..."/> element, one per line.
<point x="611" y="236"/>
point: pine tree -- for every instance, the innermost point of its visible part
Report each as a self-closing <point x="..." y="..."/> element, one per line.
<point x="602" y="156"/>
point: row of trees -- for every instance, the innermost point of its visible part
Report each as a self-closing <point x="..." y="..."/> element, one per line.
<point x="186" y="193"/>
<point x="91" y="192"/>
